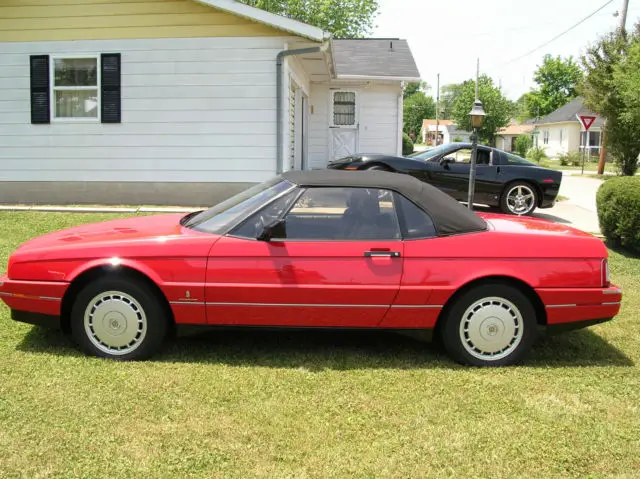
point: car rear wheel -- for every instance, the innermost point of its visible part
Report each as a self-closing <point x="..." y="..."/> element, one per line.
<point x="119" y="318"/>
<point x="489" y="325"/>
<point x="519" y="198"/>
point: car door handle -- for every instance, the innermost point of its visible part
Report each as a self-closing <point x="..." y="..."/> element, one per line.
<point x="382" y="254"/>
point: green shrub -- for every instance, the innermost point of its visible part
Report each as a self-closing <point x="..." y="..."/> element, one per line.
<point x="523" y="144"/>
<point x="407" y="144"/>
<point x="537" y="155"/>
<point x="618" y="202"/>
<point x="458" y="139"/>
<point x="572" y="158"/>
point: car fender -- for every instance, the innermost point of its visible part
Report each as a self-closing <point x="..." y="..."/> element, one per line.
<point x="113" y="264"/>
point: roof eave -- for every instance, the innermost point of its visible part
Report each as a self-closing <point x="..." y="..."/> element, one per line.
<point x="379" y="77"/>
<point x="270" y="19"/>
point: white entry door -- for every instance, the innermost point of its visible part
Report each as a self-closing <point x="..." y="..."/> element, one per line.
<point x="343" y="142"/>
<point x="343" y="123"/>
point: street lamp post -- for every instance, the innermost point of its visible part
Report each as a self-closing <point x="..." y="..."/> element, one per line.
<point x="477" y="115"/>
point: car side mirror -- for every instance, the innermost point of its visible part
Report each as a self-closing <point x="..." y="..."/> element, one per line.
<point x="274" y="229"/>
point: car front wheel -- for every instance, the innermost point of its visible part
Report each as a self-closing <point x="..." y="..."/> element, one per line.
<point x="519" y="198"/>
<point x="119" y="318"/>
<point x="489" y="325"/>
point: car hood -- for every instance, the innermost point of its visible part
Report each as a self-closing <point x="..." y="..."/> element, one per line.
<point x="114" y="231"/>
<point x="530" y="225"/>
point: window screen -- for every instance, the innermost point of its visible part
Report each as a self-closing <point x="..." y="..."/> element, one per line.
<point x="344" y="108"/>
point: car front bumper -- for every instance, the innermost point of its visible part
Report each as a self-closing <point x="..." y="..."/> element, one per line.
<point x="37" y="297"/>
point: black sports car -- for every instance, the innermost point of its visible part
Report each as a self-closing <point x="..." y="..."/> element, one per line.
<point x="503" y="180"/>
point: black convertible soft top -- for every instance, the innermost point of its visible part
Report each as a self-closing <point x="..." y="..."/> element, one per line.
<point x="449" y="216"/>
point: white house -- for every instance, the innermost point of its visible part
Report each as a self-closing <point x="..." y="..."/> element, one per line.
<point x="447" y="132"/>
<point x="506" y="137"/>
<point x="182" y="101"/>
<point x="561" y="131"/>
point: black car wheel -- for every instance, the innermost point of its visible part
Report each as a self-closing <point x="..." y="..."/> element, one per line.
<point x="519" y="198"/>
<point x="489" y="325"/>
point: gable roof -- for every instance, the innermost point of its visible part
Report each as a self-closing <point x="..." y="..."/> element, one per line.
<point x="515" y="129"/>
<point x="270" y="19"/>
<point x="374" y="58"/>
<point x="568" y="112"/>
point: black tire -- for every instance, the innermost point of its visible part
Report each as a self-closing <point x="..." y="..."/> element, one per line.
<point x="527" y="189"/>
<point x="510" y="317"/>
<point x="133" y="311"/>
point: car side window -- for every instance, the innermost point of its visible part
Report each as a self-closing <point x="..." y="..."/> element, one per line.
<point x="416" y="222"/>
<point x="343" y="214"/>
<point x="463" y="155"/>
<point x="253" y="226"/>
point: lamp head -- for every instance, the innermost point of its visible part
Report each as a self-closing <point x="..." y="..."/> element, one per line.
<point x="477" y="115"/>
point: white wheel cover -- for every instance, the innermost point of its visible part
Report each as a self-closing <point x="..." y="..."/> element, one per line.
<point x="115" y="323"/>
<point x="491" y="328"/>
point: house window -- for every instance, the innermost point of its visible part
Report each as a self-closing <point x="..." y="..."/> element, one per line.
<point x="561" y="135"/>
<point x="75" y="87"/>
<point x="545" y="137"/>
<point x="591" y="142"/>
<point x="343" y="109"/>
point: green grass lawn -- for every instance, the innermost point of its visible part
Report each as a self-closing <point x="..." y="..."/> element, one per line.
<point x="589" y="166"/>
<point x="307" y="405"/>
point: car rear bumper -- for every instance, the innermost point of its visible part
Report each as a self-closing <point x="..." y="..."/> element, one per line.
<point x="574" y="308"/>
<point x="42" y="297"/>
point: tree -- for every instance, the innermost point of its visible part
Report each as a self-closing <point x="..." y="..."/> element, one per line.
<point x="416" y="108"/>
<point x="558" y="80"/>
<point x="448" y="96"/>
<point x="413" y="88"/>
<point x="498" y="108"/>
<point x="521" y="110"/>
<point x="342" y="18"/>
<point x="523" y="144"/>
<point x="610" y="89"/>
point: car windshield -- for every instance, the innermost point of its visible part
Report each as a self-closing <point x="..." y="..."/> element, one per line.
<point x="215" y="219"/>
<point x="432" y="153"/>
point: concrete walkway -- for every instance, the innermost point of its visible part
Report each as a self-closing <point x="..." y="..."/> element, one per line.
<point x="580" y="209"/>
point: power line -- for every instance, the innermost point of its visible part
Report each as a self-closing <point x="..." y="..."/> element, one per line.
<point x="557" y="36"/>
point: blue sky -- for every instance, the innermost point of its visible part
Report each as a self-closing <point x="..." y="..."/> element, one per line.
<point x="446" y="36"/>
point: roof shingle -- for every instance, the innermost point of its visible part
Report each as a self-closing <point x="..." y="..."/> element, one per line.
<point x="374" y="57"/>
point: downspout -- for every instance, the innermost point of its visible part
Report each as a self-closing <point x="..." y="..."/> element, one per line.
<point x="279" y="73"/>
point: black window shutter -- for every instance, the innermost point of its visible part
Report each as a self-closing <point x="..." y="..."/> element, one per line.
<point x="110" y="88"/>
<point x="40" y="99"/>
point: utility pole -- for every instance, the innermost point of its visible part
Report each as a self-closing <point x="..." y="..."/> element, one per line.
<point x="438" y="110"/>
<point x="623" y="19"/>
<point x="603" y="149"/>
<point x="477" y="76"/>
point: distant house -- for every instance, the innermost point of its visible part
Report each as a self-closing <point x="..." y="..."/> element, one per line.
<point x="182" y="102"/>
<point x="561" y="131"/>
<point x="506" y="137"/>
<point x="447" y="132"/>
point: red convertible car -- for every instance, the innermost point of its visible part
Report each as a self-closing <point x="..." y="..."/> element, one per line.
<point x="320" y="249"/>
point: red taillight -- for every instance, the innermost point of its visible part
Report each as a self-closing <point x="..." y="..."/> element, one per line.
<point x="548" y="180"/>
<point x="351" y="168"/>
<point x="606" y="277"/>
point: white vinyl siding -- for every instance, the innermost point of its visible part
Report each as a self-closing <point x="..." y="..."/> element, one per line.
<point x="200" y="109"/>
<point x="562" y="138"/>
<point x="377" y="118"/>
